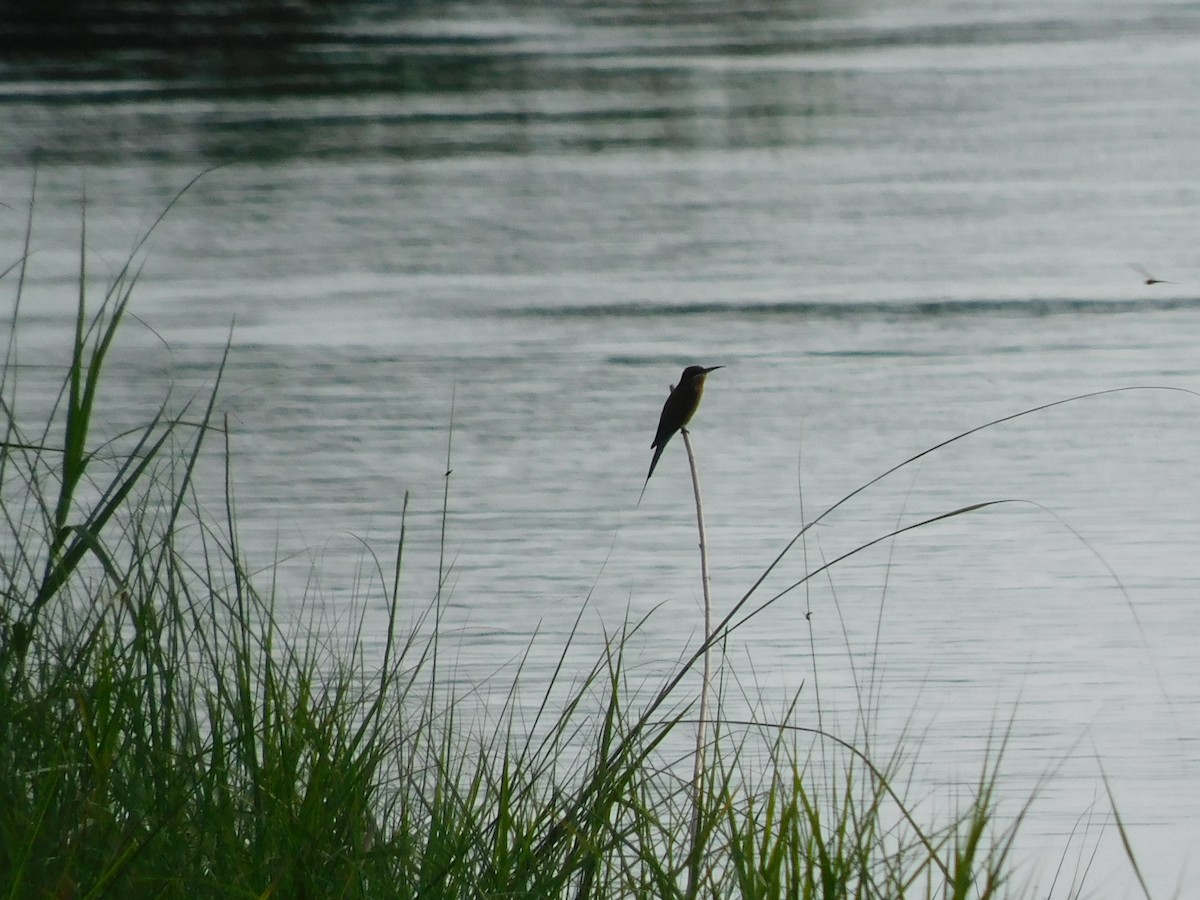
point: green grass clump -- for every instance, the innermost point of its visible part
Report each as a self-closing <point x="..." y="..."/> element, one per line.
<point x="163" y="734"/>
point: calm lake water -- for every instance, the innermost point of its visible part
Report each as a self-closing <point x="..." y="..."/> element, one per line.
<point x="499" y="233"/>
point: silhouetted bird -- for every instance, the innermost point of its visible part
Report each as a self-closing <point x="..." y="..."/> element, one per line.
<point x="681" y="405"/>
<point x="1150" y="279"/>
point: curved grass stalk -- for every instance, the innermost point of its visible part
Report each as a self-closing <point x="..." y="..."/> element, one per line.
<point x="623" y="749"/>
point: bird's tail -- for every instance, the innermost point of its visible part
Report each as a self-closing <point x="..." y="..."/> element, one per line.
<point x="654" y="462"/>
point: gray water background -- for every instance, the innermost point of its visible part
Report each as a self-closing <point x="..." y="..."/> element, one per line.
<point x="507" y="228"/>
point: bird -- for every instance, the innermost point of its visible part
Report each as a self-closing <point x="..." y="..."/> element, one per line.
<point x="1150" y="279"/>
<point x="681" y="405"/>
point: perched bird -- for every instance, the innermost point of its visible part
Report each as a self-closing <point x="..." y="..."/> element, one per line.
<point x="1150" y="279"/>
<point x="681" y="405"/>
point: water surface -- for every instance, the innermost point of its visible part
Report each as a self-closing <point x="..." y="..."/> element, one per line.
<point x="501" y="232"/>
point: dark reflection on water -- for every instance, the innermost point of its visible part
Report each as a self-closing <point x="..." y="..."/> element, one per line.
<point x="250" y="82"/>
<point x="65" y="39"/>
<point x="253" y="81"/>
<point x="1064" y="306"/>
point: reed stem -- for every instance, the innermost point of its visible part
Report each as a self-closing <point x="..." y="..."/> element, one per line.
<point x="698" y="766"/>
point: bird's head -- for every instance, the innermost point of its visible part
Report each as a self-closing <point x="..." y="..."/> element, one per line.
<point x="696" y="373"/>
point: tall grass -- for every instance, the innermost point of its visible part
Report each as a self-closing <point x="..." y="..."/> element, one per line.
<point x="162" y="734"/>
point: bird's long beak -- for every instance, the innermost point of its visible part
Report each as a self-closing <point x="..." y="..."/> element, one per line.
<point x="712" y="369"/>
